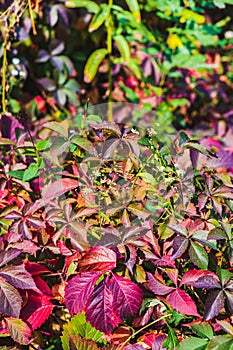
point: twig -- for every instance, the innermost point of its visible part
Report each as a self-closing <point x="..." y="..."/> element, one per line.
<point x="141" y="329"/>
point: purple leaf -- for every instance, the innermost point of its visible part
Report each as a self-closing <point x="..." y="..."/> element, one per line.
<point x="43" y="56"/>
<point x="58" y="48"/>
<point x="109" y="147"/>
<point x="224" y="160"/>
<point x="192" y="276"/>
<point x="8" y="255"/>
<point x="180" y="245"/>
<point x="229" y="301"/>
<point x="8" y="127"/>
<point x="134" y="347"/>
<point x="101" y="310"/>
<point x="18" y="276"/>
<point x="214" y="303"/>
<point x="127" y="296"/>
<point x="47" y="84"/>
<point x="207" y="282"/>
<point x="78" y="290"/>
<point x="10" y="299"/>
<point x="157" y="287"/>
<point x="158" y="343"/>
<point x="13" y="215"/>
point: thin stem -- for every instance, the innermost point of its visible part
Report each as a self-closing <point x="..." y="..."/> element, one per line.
<point x="141" y="329"/>
<point x="4" y="67"/>
<point x="34" y="31"/>
<point x="109" y="48"/>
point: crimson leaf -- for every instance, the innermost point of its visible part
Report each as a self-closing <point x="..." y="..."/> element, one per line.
<point x="78" y="290"/>
<point x="182" y="302"/>
<point x="157" y="287"/>
<point x="98" y="259"/>
<point x="37" y="309"/>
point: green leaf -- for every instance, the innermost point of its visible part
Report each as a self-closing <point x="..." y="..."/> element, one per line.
<point x="95" y="118"/>
<point x="148" y="178"/>
<point x="31" y="172"/>
<point x="77" y="343"/>
<point x="134" y="67"/>
<point x="91" y="6"/>
<point x="99" y="18"/>
<point x="184" y="60"/>
<point x="222" y="3"/>
<point x="42" y="145"/>
<point x="19" y="330"/>
<point x="6" y="142"/>
<point x="134" y="8"/>
<point x="199" y="148"/>
<point x="183" y="138"/>
<point x="178" y="102"/>
<point x="171" y="341"/>
<point x="123" y="46"/>
<point x="18" y="174"/>
<point x="81" y="142"/>
<point x="93" y="63"/>
<point x="198" y="255"/>
<point x="59" y="128"/>
<point x="203" y="329"/>
<point x="192" y="343"/>
<point x="221" y="342"/>
<point x="78" y="326"/>
<point x="226" y="326"/>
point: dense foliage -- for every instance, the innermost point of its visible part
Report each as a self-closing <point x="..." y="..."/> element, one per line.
<point x="116" y="229"/>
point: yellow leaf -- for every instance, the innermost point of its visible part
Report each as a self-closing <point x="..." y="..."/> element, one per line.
<point x="174" y="41"/>
<point x="188" y="14"/>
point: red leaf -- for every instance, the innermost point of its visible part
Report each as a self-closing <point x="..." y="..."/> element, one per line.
<point x="37" y="309"/>
<point x="190" y="277"/>
<point x="134" y="347"/>
<point x="58" y="188"/>
<point x="157" y="287"/>
<point x="35" y="268"/>
<point x="101" y="310"/>
<point x="42" y="285"/>
<point x="26" y="246"/>
<point x="180" y="301"/>
<point x="127" y="295"/>
<point x="78" y="290"/>
<point x="98" y="259"/>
